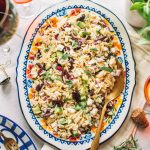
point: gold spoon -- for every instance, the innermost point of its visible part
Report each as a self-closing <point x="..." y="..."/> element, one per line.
<point x="9" y="143"/>
<point x="116" y="91"/>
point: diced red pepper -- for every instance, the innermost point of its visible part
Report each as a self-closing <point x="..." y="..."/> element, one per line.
<point x="38" y="44"/>
<point x="30" y="66"/>
<point x="78" y="10"/>
<point x="27" y="71"/>
<point x="73" y="13"/>
<point x="72" y="139"/>
<point x="29" y="76"/>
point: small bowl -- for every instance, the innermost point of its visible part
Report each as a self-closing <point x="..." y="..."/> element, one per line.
<point x="147" y="90"/>
<point x="133" y="17"/>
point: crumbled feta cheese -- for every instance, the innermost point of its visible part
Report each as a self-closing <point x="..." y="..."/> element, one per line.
<point x="89" y="102"/>
<point x="77" y="72"/>
<point x="92" y="62"/>
<point x="94" y="111"/>
<point x="101" y="59"/>
<point x="68" y="29"/>
<point x="112" y="62"/>
<point x="54" y="124"/>
<point x="105" y="48"/>
<point x="60" y="47"/>
<point x="71" y="110"/>
<point x="113" y="50"/>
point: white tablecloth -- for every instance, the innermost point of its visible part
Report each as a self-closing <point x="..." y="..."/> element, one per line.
<point x="9" y="105"/>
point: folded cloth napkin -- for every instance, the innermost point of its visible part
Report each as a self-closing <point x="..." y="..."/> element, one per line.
<point x="142" y="59"/>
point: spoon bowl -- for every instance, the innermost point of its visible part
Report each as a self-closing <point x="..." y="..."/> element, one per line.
<point x="116" y="91"/>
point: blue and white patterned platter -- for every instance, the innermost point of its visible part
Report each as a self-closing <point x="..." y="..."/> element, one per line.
<point x="11" y="130"/>
<point x="125" y="58"/>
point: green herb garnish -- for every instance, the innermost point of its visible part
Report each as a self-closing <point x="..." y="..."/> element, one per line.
<point x="69" y="82"/>
<point x="87" y="72"/>
<point x="93" y="49"/>
<point x="65" y="56"/>
<point x="46" y="49"/>
<point x="74" y="44"/>
<point x="106" y="69"/>
<point x="143" y="7"/>
<point x="129" y="144"/>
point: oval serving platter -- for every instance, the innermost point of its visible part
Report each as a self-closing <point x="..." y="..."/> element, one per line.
<point x="121" y="108"/>
<point x="11" y="130"/>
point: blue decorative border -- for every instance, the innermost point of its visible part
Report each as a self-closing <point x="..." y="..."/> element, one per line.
<point x="126" y="65"/>
<point x="18" y="136"/>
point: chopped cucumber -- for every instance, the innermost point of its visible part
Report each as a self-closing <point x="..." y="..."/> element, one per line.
<point x="36" y="110"/>
<point x="58" y="110"/>
<point x="83" y="98"/>
<point x="84" y="34"/>
<point x="53" y="57"/>
<point x="75" y="133"/>
<point x="81" y="24"/>
<point x="59" y="54"/>
<point x="83" y="104"/>
<point x="77" y="107"/>
<point x="85" y="77"/>
<point x="63" y="121"/>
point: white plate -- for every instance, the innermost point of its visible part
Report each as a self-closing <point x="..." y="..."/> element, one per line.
<point x="125" y="58"/>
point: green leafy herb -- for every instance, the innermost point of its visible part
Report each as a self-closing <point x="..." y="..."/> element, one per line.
<point x="106" y="69"/>
<point x="74" y="44"/>
<point x="137" y="6"/>
<point x="129" y="144"/>
<point x="145" y="33"/>
<point x="87" y="72"/>
<point x="46" y="49"/>
<point x="93" y="49"/>
<point x="59" y="79"/>
<point x="65" y="56"/>
<point x="143" y="7"/>
<point x="69" y="82"/>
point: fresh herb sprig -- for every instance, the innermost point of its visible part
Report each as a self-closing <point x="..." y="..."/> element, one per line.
<point x="129" y="144"/>
<point x="143" y="7"/>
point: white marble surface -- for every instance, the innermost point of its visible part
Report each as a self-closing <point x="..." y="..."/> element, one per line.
<point x="9" y="105"/>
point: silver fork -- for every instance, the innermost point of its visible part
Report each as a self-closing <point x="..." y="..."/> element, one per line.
<point x="9" y="143"/>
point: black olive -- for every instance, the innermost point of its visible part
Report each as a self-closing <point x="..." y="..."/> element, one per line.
<point x="76" y="96"/>
<point x="71" y="60"/>
<point x="91" y="92"/>
<point x="39" y="87"/>
<point x="59" y="103"/>
<point x="81" y="18"/>
<point x="77" y="48"/>
<point x="47" y="114"/>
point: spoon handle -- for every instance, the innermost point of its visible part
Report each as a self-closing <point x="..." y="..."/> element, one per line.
<point x="95" y="143"/>
<point x="1" y="134"/>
